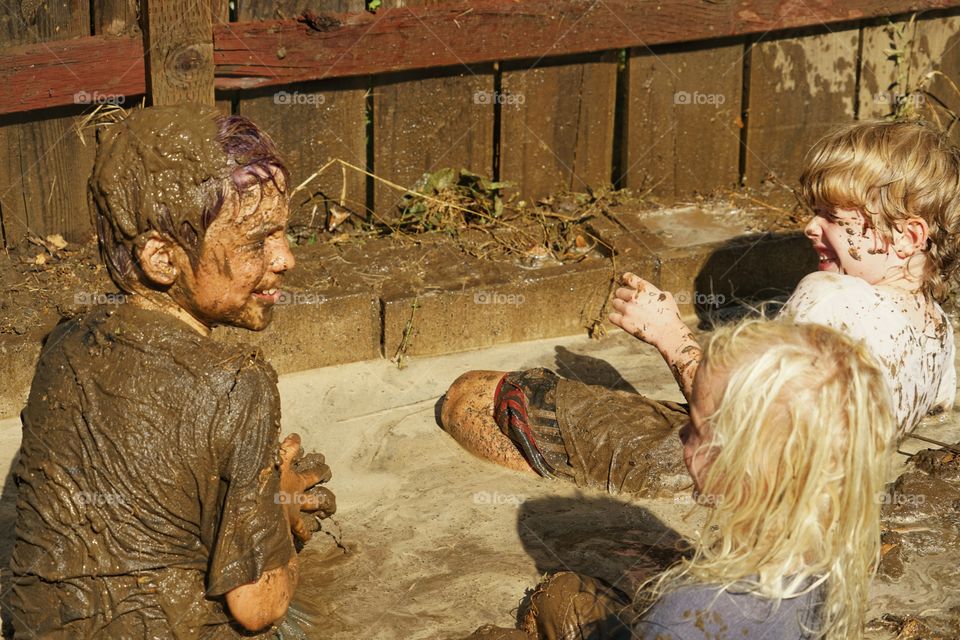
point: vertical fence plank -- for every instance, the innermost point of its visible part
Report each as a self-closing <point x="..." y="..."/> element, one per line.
<point x="929" y="46"/>
<point x="179" y="51"/>
<point x="312" y="124"/>
<point x="422" y="124"/>
<point x="43" y="164"/>
<point x="115" y="17"/>
<point x="682" y="132"/>
<point x="316" y="122"/>
<point x="427" y="120"/>
<point x="800" y="87"/>
<point x="557" y="124"/>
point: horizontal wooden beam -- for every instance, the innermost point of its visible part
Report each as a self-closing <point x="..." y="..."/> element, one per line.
<point x="275" y="53"/>
<point x="79" y="71"/>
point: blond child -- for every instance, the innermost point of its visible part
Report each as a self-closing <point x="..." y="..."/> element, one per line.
<point x="788" y="448"/>
<point x="885" y="199"/>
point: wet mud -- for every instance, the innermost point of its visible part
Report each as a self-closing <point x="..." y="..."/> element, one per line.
<point x="917" y="589"/>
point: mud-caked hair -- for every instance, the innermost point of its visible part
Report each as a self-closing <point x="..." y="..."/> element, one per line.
<point x="168" y="170"/>
<point x="892" y="171"/>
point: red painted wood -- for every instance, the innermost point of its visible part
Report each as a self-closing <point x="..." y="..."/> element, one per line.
<point x="52" y="74"/>
<point x="262" y="54"/>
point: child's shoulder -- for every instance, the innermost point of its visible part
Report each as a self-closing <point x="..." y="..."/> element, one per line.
<point x="835" y="291"/>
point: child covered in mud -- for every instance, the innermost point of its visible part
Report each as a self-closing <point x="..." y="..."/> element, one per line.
<point x="155" y="499"/>
<point x="886" y="203"/>
<point x="788" y="446"/>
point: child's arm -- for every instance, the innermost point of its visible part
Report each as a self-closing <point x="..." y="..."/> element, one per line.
<point x="652" y="315"/>
<point x="261" y="603"/>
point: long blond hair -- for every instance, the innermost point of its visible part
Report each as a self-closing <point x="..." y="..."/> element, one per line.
<point x="799" y="451"/>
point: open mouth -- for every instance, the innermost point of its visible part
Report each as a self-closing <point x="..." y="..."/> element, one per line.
<point x="828" y="259"/>
<point x="268" y="295"/>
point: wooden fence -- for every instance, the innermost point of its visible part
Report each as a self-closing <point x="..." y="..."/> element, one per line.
<point x="680" y="97"/>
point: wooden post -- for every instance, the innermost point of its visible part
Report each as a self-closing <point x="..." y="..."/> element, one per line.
<point x="179" y="51"/>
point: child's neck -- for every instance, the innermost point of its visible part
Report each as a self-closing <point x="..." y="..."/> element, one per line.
<point x="145" y="301"/>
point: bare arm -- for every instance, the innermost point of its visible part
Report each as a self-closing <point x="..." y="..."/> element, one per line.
<point x="651" y="315"/>
<point x="261" y="603"/>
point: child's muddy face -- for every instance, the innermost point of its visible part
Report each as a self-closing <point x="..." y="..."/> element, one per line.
<point x="243" y="257"/>
<point x="846" y="243"/>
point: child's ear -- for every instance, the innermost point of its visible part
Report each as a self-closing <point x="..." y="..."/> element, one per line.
<point x="155" y="255"/>
<point x="911" y="237"/>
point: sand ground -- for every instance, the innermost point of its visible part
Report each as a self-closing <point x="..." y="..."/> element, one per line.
<point x="440" y="542"/>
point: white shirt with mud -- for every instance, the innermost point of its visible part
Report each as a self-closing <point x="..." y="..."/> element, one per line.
<point x="917" y="361"/>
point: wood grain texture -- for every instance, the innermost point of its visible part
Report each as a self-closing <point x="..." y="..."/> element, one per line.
<point x="313" y="124"/>
<point x="682" y="124"/>
<point x="800" y="88"/>
<point x="423" y="124"/>
<point x="278" y="52"/>
<point x="557" y="124"/>
<point x="43" y="165"/>
<point x="179" y="51"/>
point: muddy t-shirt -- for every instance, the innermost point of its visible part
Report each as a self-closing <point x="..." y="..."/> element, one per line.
<point x="147" y="479"/>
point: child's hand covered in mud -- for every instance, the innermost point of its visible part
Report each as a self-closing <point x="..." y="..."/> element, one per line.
<point x="299" y="476"/>
<point x="647" y="313"/>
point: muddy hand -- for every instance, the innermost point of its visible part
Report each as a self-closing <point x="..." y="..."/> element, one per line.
<point x="298" y="474"/>
<point x="646" y="312"/>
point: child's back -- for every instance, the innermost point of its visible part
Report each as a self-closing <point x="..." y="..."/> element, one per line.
<point x="913" y="343"/>
<point x="154" y="437"/>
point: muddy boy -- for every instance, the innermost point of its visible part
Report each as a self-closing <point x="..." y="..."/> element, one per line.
<point x="155" y="498"/>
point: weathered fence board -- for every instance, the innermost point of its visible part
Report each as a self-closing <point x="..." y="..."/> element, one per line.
<point x="556" y="126"/>
<point x="179" y="51"/>
<point x="311" y="125"/>
<point x="801" y="86"/>
<point x="423" y="122"/>
<point x="899" y="58"/>
<point x="682" y="122"/>
<point x="43" y="164"/>
<point x="316" y="122"/>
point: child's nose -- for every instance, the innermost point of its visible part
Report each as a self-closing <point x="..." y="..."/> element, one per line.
<point x="282" y="259"/>
<point x="812" y="230"/>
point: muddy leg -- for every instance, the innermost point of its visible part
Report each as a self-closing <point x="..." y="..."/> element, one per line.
<point x="467" y="415"/>
<point x="568" y="606"/>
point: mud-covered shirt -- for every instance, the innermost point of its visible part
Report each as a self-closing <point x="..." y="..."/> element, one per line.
<point x="917" y="361"/>
<point x="147" y="480"/>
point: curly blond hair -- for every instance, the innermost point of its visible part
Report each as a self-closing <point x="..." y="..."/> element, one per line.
<point x="799" y="447"/>
<point x="892" y="171"/>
